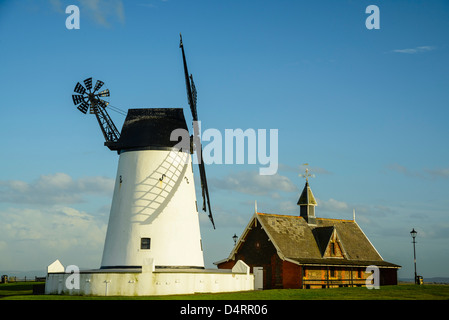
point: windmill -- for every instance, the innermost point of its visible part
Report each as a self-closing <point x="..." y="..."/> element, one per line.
<point x="154" y="212"/>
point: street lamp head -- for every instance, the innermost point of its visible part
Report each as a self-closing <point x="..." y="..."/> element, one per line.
<point x="234" y="237"/>
<point x="413" y="233"/>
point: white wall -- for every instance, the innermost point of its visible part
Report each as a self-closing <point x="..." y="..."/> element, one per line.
<point x="148" y="282"/>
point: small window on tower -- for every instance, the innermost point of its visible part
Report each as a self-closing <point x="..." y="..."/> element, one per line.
<point x="145" y="243"/>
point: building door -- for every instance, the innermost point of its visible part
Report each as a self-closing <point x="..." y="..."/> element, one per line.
<point x="258" y="278"/>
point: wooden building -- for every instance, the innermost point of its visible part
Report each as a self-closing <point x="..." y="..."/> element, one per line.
<point x="304" y="251"/>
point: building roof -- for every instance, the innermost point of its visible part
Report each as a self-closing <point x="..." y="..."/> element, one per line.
<point x="300" y="243"/>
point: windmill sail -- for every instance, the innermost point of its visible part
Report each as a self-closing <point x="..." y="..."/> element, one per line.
<point x="87" y="99"/>
<point x="191" y="98"/>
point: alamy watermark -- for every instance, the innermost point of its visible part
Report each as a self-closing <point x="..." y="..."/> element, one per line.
<point x="230" y="149"/>
<point x="73" y="280"/>
<point x="73" y="20"/>
<point x="373" y="20"/>
<point x="373" y="280"/>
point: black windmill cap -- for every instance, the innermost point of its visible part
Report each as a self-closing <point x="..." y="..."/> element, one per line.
<point x="150" y="128"/>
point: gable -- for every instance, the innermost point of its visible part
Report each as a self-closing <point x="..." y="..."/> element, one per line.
<point x="334" y="248"/>
<point x="255" y="246"/>
<point x="328" y="242"/>
<point x="352" y="240"/>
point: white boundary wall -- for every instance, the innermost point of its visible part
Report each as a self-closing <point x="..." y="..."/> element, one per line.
<point x="151" y="281"/>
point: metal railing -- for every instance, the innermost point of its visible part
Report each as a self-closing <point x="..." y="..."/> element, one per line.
<point x="327" y="283"/>
<point x="24" y="279"/>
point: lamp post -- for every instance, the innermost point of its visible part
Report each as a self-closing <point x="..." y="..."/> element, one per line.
<point x="234" y="237"/>
<point x="413" y="233"/>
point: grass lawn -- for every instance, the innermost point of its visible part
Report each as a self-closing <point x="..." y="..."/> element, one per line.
<point x="24" y="291"/>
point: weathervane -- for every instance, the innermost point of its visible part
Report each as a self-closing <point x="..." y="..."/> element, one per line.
<point x="307" y="174"/>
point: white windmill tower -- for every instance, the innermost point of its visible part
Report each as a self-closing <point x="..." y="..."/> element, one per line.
<point x="154" y="211"/>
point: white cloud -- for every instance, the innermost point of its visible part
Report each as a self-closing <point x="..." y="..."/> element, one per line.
<point x="57" y="5"/>
<point x="425" y="173"/>
<point x="151" y="4"/>
<point x="102" y="11"/>
<point x="58" y="188"/>
<point x="254" y="183"/>
<point x="48" y="224"/>
<point x="398" y="168"/>
<point x="438" y="173"/>
<point x="333" y="205"/>
<point x="33" y="238"/>
<point x="300" y="169"/>
<point x="43" y="226"/>
<point x="421" y="49"/>
<point x="288" y="207"/>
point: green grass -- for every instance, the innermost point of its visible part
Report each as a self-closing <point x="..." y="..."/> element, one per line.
<point x="16" y="289"/>
<point x="24" y="291"/>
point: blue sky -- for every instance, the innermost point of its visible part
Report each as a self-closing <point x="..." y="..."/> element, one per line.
<point x="367" y="109"/>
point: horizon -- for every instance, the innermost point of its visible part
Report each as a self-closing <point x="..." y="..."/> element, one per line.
<point x="367" y="109"/>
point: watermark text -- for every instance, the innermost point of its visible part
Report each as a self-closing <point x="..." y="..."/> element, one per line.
<point x="73" y="20"/>
<point x="230" y="149"/>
